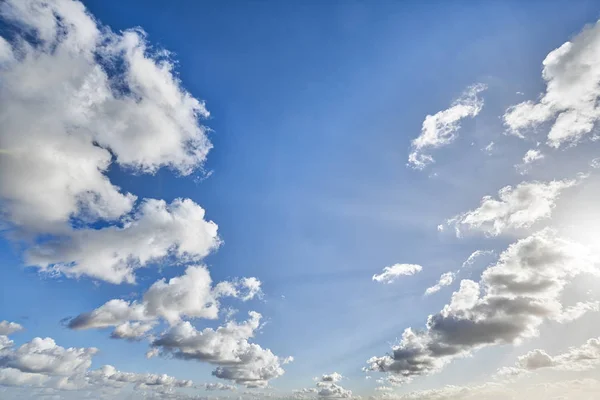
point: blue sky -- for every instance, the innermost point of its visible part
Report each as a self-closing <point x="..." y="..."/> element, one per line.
<point x="314" y="107"/>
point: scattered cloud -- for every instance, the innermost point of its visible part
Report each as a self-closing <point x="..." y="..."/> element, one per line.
<point x="390" y="274"/>
<point x="228" y="348"/>
<point x="441" y="128"/>
<point x="508" y="305"/>
<point x="582" y="358"/>
<point x="517" y="208"/>
<point x="446" y="279"/>
<point x="569" y="103"/>
<point x="190" y="295"/>
<point x="8" y="328"/>
<point x="61" y="67"/>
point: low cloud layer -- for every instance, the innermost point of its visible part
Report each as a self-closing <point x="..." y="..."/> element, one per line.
<point x="517" y="208"/>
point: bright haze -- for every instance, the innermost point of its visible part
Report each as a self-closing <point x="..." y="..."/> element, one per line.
<point x="300" y="200"/>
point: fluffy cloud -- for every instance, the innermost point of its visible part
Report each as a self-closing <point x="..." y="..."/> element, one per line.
<point x="330" y="390"/>
<point x="529" y="158"/>
<point x="113" y="253"/>
<point x="446" y="279"/>
<point x="44" y="356"/>
<point x="572" y="75"/>
<point x="43" y="363"/>
<point x="228" y="348"/>
<point x="191" y="295"/>
<point x="441" y="128"/>
<point x="514" y="297"/>
<point x="517" y="208"/>
<point x="8" y="328"/>
<point x="390" y="274"/>
<point x="584" y="357"/>
<point x="98" y="98"/>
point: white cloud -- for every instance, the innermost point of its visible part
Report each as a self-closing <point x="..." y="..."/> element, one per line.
<point x="474" y="256"/>
<point x="61" y="68"/>
<point x="582" y="358"/>
<point x="489" y="148"/>
<point x="446" y="279"/>
<point x="441" y="128"/>
<point x="228" y="348"/>
<point x="390" y="274"/>
<point x="572" y="75"/>
<point x="131" y="330"/>
<point x="529" y="158"/>
<point x="43" y="363"/>
<point x="517" y="208"/>
<point x="190" y="295"/>
<point x="595" y="163"/>
<point x="8" y="328"/>
<point x="532" y="155"/>
<point x="511" y="301"/>
<point x="330" y="390"/>
<point x="114" y="253"/>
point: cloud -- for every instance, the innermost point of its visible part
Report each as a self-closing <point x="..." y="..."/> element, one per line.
<point x="441" y="128"/>
<point x="190" y="295"/>
<point x="227" y="347"/>
<point x="474" y="256"/>
<point x="334" y="377"/>
<point x="218" y="386"/>
<point x="131" y="330"/>
<point x="390" y="274"/>
<point x="103" y="99"/>
<point x="580" y="389"/>
<point x="330" y="390"/>
<point x="114" y="253"/>
<point x="42" y="363"/>
<point x="446" y="279"/>
<point x="569" y="104"/>
<point x="517" y="208"/>
<point x="582" y="358"/>
<point x="8" y="328"/>
<point x="511" y="301"/>
<point x="531" y="156"/>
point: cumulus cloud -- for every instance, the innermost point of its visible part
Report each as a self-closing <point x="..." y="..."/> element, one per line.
<point x="228" y="348"/>
<point x="190" y="295"/>
<point x="331" y="390"/>
<point x="99" y="98"/>
<point x="113" y="254"/>
<point x="514" y="297"/>
<point x="8" y="328"/>
<point x="42" y="363"/>
<point x="516" y="208"/>
<point x="390" y="274"/>
<point x="569" y="104"/>
<point x="582" y="358"/>
<point x="441" y="128"/>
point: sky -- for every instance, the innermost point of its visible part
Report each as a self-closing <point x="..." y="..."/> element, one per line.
<point x="299" y="200"/>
